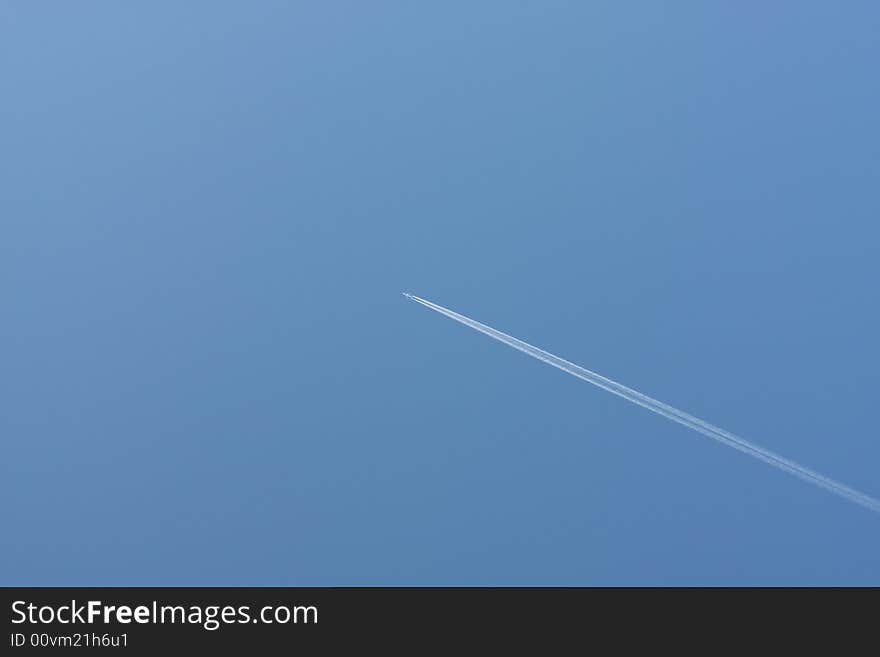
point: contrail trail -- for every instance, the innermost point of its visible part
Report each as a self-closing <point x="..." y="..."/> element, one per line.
<point x="667" y="411"/>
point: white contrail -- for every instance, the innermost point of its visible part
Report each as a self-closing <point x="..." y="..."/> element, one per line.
<point x="669" y="412"/>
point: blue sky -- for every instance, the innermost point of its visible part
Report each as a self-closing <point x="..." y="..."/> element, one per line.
<point x="209" y="211"/>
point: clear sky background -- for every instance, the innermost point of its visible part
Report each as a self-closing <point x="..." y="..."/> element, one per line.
<point x="208" y="212"/>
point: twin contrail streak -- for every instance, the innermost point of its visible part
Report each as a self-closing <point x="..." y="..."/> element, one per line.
<point x="669" y="412"/>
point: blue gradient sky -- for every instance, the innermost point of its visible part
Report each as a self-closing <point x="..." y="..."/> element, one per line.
<point x="209" y="210"/>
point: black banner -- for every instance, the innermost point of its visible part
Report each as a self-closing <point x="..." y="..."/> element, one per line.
<point x="161" y="619"/>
